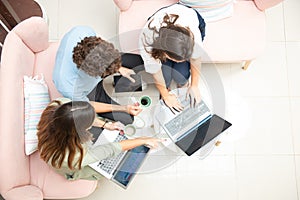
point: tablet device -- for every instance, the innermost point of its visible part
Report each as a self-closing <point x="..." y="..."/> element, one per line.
<point x="123" y="84"/>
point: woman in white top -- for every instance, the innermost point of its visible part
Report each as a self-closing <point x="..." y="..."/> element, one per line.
<point x="170" y="45"/>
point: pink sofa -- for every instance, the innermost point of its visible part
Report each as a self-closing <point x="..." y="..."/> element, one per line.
<point x="240" y="38"/>
<point x="26" y="51"/>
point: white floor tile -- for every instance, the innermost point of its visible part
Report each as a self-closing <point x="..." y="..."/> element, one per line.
<point x="291" y="16"/>
<point x="226" y="147"/>
<point x="212" y="178"/>
<point x="295" y="108"/>
<point x="266" y="178"/>
<point x="156" y="185"/>
<point x="224" y="70"/>
<point x="215" y="82"/>
<point x="275" y="23"/>
<point x="270" y="130"/>
<point x="293" y="49"/>
<point x="210" y="166"/>
<point x="266" y="76"/>
<point x="297" y="158"/>
<point x="105" y="189"/>
<point x="239" y="113"/>
<point x="160" y="164"/>
<point x="100" y="15"/>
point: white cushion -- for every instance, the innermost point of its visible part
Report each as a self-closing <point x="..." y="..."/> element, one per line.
<point x="211" y="10"/>
<point x="36" y="99"/>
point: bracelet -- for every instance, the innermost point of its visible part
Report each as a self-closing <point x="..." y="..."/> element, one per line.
<point x="104" y="124"/>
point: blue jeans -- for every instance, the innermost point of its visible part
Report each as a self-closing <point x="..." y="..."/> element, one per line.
<point x="179" y="72"/>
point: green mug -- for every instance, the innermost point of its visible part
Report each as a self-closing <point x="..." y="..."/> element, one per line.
<point x="145" y="101"/>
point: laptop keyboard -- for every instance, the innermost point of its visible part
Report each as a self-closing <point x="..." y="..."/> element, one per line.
<point x="109" y="164"/>
<point x="185" y="118"/>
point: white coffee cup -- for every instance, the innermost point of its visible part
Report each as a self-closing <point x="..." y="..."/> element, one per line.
<point x="129" y="130"/>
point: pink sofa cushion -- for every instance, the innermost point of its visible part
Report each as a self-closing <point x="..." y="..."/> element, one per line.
<point x="227" y="40"/>
<point x="52" y="184"/>
<point x="242" y="36"/>
<point x="55" y="186"/>
<point x="45" y="61"/>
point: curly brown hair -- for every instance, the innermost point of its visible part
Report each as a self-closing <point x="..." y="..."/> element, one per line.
<point x="96" y="57"/>
<point x="170" y="40"/>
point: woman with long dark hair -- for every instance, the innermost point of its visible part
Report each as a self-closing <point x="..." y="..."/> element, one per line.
<point x="64" y="138"/>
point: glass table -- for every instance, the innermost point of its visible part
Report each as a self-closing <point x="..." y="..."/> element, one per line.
<point x="148" y="123"/>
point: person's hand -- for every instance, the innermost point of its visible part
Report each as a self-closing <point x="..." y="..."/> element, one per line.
<point x="193" y="94"/>
<point x="152" y="142"/>
<point x="126" y="73"/>
<point x="134" y="109"/>
<point x="114" y="126"/>
<point x="172" y="102"/>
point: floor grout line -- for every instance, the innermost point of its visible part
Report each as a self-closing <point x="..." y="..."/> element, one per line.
<point x="290" y="101"/>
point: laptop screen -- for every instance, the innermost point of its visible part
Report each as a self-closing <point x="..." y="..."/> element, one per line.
<point x="202" y="134"/>
<point x="130" y="165"/>
<point x="123" y="84"/>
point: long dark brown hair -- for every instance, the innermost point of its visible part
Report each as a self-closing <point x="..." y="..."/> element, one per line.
<point x="170" y="40"/>
<point x="62" y="129"/>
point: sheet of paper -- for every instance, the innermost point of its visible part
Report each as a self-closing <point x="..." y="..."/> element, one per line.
<point x="106" y="136"/>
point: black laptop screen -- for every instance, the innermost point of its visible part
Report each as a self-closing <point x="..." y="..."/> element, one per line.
<point x="203" y="134"/>
<point x="132" y="162"/>
<point x="123" y="84"/>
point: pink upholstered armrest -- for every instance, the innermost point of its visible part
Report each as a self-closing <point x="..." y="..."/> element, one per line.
<point x="264" y="4"/>
<point x="31" y="29"/>
<point x="17" y="60"/>
<point x="28" y="192"/>
<point x="123" y="4"/>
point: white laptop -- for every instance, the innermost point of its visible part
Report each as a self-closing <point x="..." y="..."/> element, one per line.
<point x="122" y="168"/>
<point x="193" y="127"/>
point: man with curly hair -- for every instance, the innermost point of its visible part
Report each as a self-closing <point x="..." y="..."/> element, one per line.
<point x="82" y="60"/>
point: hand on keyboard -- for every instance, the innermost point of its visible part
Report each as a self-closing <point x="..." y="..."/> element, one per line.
<point x="172" y="102"/>
<point x="152" y="142"/>
<point x="114" y="126"/>
<point x="193" y="94"/>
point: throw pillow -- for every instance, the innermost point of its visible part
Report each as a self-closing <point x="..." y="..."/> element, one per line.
<point x="211" y="10"/>
<point x="36" y="99"/>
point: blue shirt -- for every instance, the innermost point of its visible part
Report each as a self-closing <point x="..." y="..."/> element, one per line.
<point x="70" y="81"/>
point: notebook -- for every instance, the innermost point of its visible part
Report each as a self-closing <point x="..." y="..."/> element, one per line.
<point x="193" y="127"/>
<point x="122" y="168"/>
